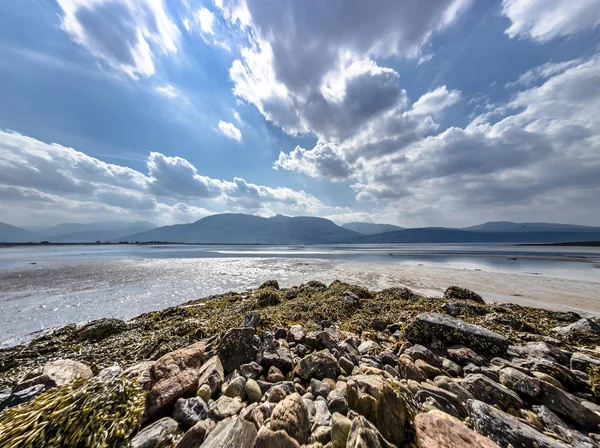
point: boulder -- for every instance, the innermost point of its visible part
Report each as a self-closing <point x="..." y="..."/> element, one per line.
<point x="520" y="383"/>
<point x="253" y="391"/>
<point x="189" y="411"/>
<point x="100" y="329"/>
<point x="553" y="423"/>
<point x="458" y="293"/>
<point x="418" y="351"/>
<point x="236" y="347"/>
<point x="583" y="362"/>
<point x="225" y="407"/>
<point x="195" y="436"/>
<point x="491" y="392"/>
<point x="428" y="328"/>
<point x="433" y="430"/>
<point x="322" y="339"/>
<point x="276" y="354"/>
<point x="296" y="334"/>
<point x="340" y="428"/>
<point x="318" y="365"/>
<point x="458" y="308"/>
<point x="266" y="297"/>
<point x="254" y="415"/>
<point x="506" y="430"/>
<point x="321" y="435"/>
<point x="233" y="432"/>
<point x="584" y="331"/>
<point x="158" y="434"/>
<point x="267" y="438"/>
<point x="363" y="434"/>
<point x="175" y="375"/>
<point x="291" y="416"/>
<point x="55" y="373"/>
<point x="374" y="397"/>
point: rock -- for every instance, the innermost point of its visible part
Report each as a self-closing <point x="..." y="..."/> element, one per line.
<point x="583" y="331"/>
<point x="542" y="350"/>
<point x="232" y="432"/>
<point x="225" y="407"/>
<point x="296" y="334"/>
<point x="189" y="411"/>
<point x="519" y="382"/>
<point x="363" y="434"/>
<point x="267" y="438"/>
<point x="204" y="393"/>
<point x="582" y="362"/>
<point x="291" y="415"/>
<point x="211" y="374"/>
<point x="276" y="354"/>
<point x="340" y="428"/>
<point x="508" y="321"/>
<point x="547" y="378"/>
<point x="432" y="401"/>
<point x="100" y="329"/>
<point x="452" y="368"/>
<point x="338" y="400"/>
<point x="276" y="394"/>
<point x="429" y="328"/>
<point x="409" y="370"/>
<point x="21" y="396"/>
<point x="432" y="430"/>
<point x="266" y="297"/>
<point x="553" y="423"/>
<point x="175" y="374"/>
<point x="327" y="338"/>
<point x="423" y="353"/>
<point x="379" y="324"/>
<point x="491" y="392"/>
<point x="158" y="434"/>
<point x="140" y="373"/>
<point x="346" y="365"/>
<point x="464" y="355"/>
<point x="55" y="373"/>
<point x="251" y="370"/>
<point x="458" y="308"/>
<point x="322" y="415"/>
<point x="275" y="375"/>
<point x="322" y="435"/>
<point x="237" y="346"/>
<point x="389" y="358"/>
<point x="458" y="293"/>
<point x="367" y="347"/>
<point x="196" y="435"/>
<point x="374" y="397"/>
<point x="110" y="373"/>
<point x="253" y="391"/>
<point x="236" y="388"/>
<point x="318" y="365"/>
<point x="428" y="369"/>
<point x="251" y="319"/>
<point x="457" y="401"/>
<point x="506" y="430"/>
<point x="272" y="284"/>
<point x="254" y="415"/>
<point x="319" y="388"/>
<point x="351" y="299"/>
<point x="565" y="376"/>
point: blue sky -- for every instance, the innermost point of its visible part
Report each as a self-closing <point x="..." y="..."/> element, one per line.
<point x="439" y="112"/>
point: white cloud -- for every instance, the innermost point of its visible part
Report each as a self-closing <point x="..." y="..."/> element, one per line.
<point x="236" y="115"/>
<point x="324" y="160"/>
<point x="435" y="102"/>
<point x="229" y="130"/>
<point x="123" y="33"/>
<point x="167" y="90"/>
<point x="206" y="20"/>
<point x="543" y="20"/>
<point x="53" y="182"/>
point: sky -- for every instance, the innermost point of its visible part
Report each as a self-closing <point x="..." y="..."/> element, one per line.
<point x="430" y="113"/>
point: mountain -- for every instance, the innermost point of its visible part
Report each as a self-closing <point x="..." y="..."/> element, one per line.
<point x="367" y="228"/>
<point x="506" y="226"/>
<point x="12" y="234"/>
<point x="62" y="232"/>
<point x="233" y="228"/>
<point x="444" y="235"/>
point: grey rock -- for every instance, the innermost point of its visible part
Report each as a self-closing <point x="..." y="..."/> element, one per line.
<point x="428" y="328"/>
<point x="340" y="428"/>
<point x="100" y="329"/>
<point x="267" y="438"/>
<point x="232" y="432"/>
<point x="322" y="435"/>
<point x="319" y="388"/>
<point x="338" y="400"/>
<point x="158" y="434"/>
<point x="291" y="415"/>
<point x="296" y="334"/>
<point x="409" y="370"/>
<point x="389" y="358"/>
<point x="276" y="394"/>
<point x="277" y="354"/>
<point x="433" y="400"/>
<point x="225" y="407"/>
<point x="368" y="346"/>
<point x="237" y="346"/>
<point x="455" y="400"/>
<point x="428" y="369"/>
<point x="451" y="367"/>
<point x="195" y="436"/>
<point x="211" y="374"/>
<point x="55" y="373"/>
<point x="318" y="365"/>
<point x="553" y="423"/>
<point x="418" y="351"/>
<point x="363" y="434"/>
<point x="506" y="430"/>
<point x="464" y="355"/>
<point x="322" y="415"/>
<point x="542" y="350"/>
<point x="346" y="365"/>
<point x="583" y="330"/>
<point x="491" y="392"/>
<point x="520" y="383"/>
<point x="189" y="411"/>
<point x="252" y="370"/>
<point x="251" y="319"/>
<point x="582" y="362"/>
<point x="22" y="396"/>
<point x="236" y="387"/>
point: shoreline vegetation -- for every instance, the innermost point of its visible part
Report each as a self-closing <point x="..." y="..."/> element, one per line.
<point x="313" y="365"/>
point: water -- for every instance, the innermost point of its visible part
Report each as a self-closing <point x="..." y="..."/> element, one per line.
<point x="45" y="286"/>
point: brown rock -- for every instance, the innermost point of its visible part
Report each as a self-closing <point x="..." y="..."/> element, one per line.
<point x="232" y="432"/>
<point x="267" y="438"/>
<point x="434" y="431"/>
<point x="196" y="435"/>
<point x="211" y="374"/>
<point x="291" y="415"/>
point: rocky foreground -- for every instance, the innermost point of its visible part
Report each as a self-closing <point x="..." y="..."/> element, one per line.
<point x="313" y="365"/>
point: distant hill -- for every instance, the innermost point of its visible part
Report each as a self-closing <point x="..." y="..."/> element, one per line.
<point x="13" y="234"/>
<point x="367" y="228"/>
<point x="63" y="232"/>
<point x="506" y="226"/>
<point x="443" y="235"/>
<point x="248" y="229"/>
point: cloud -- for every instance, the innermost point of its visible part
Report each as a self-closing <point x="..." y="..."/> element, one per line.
<point x="53" y="182"/>
<point x="205" y="20"/>
<point x="324" y="160"/>
<point x="229" y="130"/>
<point x="167" y="90"/>
<point x="123" y="33"/>
<point x="543" y="20"/>
<point x="435" y="102"/>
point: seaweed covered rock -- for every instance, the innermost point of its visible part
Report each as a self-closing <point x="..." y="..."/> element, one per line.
<point x="586" y="331"/>
<point x="458" y="293"/>
<point x="55" y="373"/>
<point x="432" y="328"/>
<point x="100" y="329"/>
<point x="266" y="297"/>
<point x="237" y="346"/>
<point x="269" y="284"/>
<point x="373" y="397"/>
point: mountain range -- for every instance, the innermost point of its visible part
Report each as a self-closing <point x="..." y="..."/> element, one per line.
<point x="232" y="228"/>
